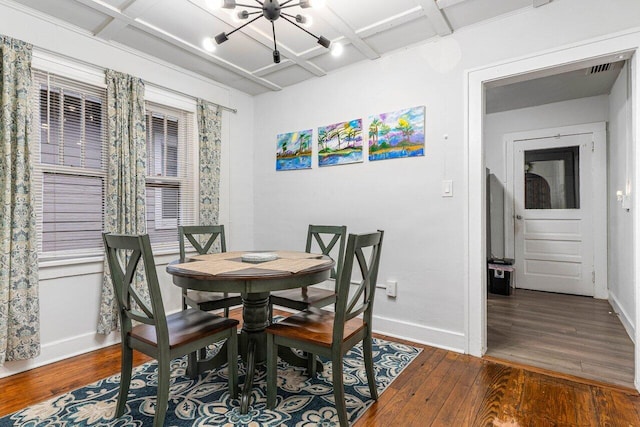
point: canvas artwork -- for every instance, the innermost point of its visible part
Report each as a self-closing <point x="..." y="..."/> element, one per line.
<point x="398" y="134"/>
<point x="294" y="150"/>
<point x="340" y="143"/>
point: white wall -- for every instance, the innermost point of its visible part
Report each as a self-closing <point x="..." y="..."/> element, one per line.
<point x="621" y="175"/>
<point x="70" y="292"/>
<point x="425" y="237"/>
<point x="567" y="113"/>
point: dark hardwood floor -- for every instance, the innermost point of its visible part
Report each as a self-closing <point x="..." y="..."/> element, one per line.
<point x="571" y="334"/>
<point x="440" y="388"/>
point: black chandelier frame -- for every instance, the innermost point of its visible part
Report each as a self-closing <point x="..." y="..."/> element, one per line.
<point x="271" y="10"/>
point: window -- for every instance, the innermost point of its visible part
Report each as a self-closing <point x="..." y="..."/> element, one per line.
<point x="70" y="168"/>
<point x="170" y="183"/>
<point x="70" y="120"/>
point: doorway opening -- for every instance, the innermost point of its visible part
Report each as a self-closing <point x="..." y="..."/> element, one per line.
<point x="553" y="167"/>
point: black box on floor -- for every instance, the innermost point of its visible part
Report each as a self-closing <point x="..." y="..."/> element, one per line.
<point x="499" y="280"/>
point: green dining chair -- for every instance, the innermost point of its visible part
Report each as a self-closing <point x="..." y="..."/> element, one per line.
<point x="156" y="334"/>
<point x="207" y="301"/>
<point x="333" y="334"/>
<point x="330" y="239"/>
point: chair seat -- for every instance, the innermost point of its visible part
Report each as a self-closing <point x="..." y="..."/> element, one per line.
<point x="313" y="297"/>
<point x="208" y="301"/>
<point x="184" y="327"/>
<point x="315" y="326"/>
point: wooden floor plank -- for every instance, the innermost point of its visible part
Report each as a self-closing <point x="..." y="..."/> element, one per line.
<point x="572" y="334"/>
<point x="440" y="388"/>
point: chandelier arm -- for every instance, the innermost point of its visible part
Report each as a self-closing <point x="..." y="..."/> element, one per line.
<point x="282" y="6"/>
<point x="260" y="3"/>
<point x="244" y="25"/>
<point x="283" y="16"/>
<point x="273" y="28"/>
<point x="287" y="2"/>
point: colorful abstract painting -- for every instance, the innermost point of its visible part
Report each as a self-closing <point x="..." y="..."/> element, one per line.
<point x="398" y="134"/>
<point x="294" y="150"/>
<point x="340" y="143"/>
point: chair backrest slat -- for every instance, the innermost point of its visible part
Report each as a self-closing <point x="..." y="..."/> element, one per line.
<point x="193" y="232"/>
<point x="138" y="294"/>
<point x="320" y="234"/>
<point x="361" y="301"/>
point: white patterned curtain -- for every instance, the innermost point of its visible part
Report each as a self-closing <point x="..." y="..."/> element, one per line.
<point x="19" y="306"/>
<point x="209" y="129"/>
<point x="125" y="188"/>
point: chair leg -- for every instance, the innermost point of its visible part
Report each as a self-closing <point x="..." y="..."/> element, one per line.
<point x="226" y="312"/>
<point x="272" y="371"/>
<point x="192" y="365"/>
<point x="162" y="399"/>
<point x="367" y="349"/>
<point x="126" y="364"/>
<point x="311" y="365"/>
<point x="338" y="389"/>
<point x="232" y="357"/>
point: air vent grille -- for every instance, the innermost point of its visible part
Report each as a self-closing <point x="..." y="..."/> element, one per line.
<point x="600" y="68"/>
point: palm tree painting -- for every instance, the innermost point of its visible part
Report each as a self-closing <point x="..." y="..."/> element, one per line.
<point x="398" y="134"/>
<point x="340" y="143"/>
<point x="294" y="150"/>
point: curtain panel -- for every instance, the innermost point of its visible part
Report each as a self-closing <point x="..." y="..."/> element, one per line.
<point x="209" y="130"/>
<point x="19" y="305"/>
<point x="126" y="173"/>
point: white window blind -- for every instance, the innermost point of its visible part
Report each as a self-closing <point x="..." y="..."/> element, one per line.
<point x="69" y="146"/>
<point x="171" y="189"/>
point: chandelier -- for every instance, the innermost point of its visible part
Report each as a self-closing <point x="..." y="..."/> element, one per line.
<point x="271" y="10"/>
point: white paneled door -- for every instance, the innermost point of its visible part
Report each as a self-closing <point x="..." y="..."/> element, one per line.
<point x="553" y="207"/>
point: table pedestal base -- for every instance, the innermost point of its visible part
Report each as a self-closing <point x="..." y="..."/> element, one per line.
<point x="253" y="346"/>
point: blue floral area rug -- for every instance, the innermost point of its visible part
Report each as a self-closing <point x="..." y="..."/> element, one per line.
<point x="205" y="400"/>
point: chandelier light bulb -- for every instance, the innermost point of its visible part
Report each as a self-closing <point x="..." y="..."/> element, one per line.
<point x="208" y="44"/>
<point x="317" y="3"/>
<point x="336" y="49"/>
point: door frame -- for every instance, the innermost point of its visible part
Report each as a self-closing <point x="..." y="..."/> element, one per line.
<point x="598" y="186"/>
<point x="625" y="42"/>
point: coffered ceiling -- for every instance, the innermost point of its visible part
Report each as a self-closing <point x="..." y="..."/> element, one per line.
<point x="173" y="30"/>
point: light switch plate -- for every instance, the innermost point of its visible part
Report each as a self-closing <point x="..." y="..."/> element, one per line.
<point x="447" y="188"/>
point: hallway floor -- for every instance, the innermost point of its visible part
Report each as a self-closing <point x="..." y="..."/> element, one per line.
<point x="571" y="334"/>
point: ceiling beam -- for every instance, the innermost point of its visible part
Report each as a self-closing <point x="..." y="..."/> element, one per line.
<point x="115" y="25"/>
<point x="391" y="22"/>
<point x="176" y="41"/>
<point x="538" y="3"/>
<point x="335" y="21"/>
<point x="265" y="40"/>
<point x="448" y="3"/>
<point x="436" y="17"/>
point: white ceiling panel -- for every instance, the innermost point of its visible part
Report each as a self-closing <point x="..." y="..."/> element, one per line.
<point x="363" y="13"/>
<point x="173" y="30"/>
<point x="402" y="36"/>
<point x="328" y="62"/>
<point x="289" y="76"/>
<point x="69" y="10"/>
<point x="469" y="12"/>
<point x="118" y="4"/>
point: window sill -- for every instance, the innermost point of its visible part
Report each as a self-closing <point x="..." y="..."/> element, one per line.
<point x="50" y="269"/>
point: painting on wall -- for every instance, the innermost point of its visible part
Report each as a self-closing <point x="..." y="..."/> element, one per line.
<point x="294" y="150"/>
<point x="396" y="135"/>
<point x="340" y="143"/>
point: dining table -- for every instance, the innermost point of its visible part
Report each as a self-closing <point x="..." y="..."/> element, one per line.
<point x="254" y="275"/>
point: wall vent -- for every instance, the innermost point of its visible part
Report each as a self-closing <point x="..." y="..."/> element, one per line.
<point x="600" y="68"/>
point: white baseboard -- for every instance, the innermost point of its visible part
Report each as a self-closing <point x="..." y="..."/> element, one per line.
<point x="435" y="337"/>
<point x="59" y="350"/>
<point x="623" y="316"/>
